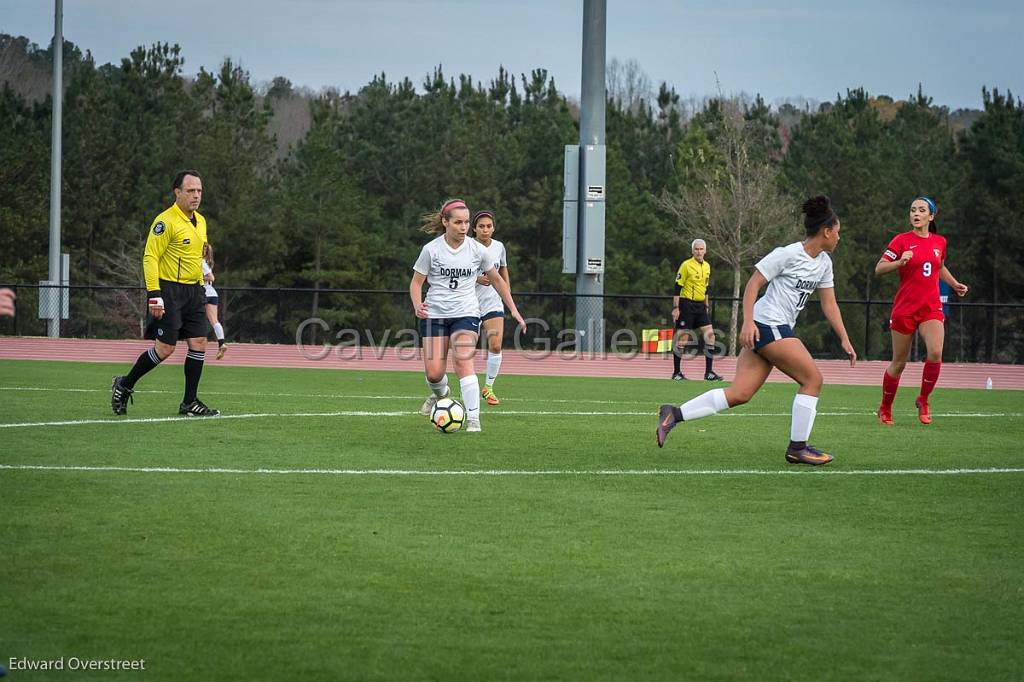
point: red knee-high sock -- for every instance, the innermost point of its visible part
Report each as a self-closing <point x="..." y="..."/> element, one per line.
<point x="890" y="385"/>
<point x="929" y="377"/>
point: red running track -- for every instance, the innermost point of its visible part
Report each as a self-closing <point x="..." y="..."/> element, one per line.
<point x="515" y="362"/>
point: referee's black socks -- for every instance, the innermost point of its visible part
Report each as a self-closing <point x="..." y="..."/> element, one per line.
<point x="147" y="361"/>
<point x="702" y="349"/>
<point x="193" y="370"/>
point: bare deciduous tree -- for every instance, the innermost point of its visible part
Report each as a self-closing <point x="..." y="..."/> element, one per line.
<point x="628" y="85"/>
<point x="733" y="202"/>
<point x="120" y="269"/>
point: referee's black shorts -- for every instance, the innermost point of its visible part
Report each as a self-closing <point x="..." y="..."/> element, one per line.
<point x="692" y="314"/>
<point x="184" y="314"/>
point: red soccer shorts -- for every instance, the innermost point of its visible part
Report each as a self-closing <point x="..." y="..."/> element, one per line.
<point x="908" y="324"/>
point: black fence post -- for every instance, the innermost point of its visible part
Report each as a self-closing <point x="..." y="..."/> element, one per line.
<point x="280" y="310"/>
<point x="867" y="329"/>
<point x="563" y="299"/>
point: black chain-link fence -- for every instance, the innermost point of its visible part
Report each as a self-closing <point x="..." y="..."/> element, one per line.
<point x="975" y="332"/>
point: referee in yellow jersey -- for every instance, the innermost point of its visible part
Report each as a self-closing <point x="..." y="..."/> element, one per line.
<point x="690" y="310"/>
<point x="172" y="265"/>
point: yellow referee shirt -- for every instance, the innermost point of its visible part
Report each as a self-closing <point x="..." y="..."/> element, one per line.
<point x="174" y="249"/>
<point x="692" y="279"/>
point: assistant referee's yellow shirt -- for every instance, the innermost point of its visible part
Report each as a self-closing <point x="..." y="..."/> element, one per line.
<point x="174" y="249"/>
<point x="692" y="279"/>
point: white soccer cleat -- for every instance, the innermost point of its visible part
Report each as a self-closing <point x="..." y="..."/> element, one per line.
<point x="428" y="405"/>
<point x="473" y="426"/>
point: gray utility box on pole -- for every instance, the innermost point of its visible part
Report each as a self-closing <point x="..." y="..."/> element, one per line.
<point x="592" y="209"/>
<point x="570" y="206"/>
<point x="583" y="210"/>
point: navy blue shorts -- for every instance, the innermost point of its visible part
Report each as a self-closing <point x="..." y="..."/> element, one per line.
<point x="769" y="333"/>
<point x="493" y="314"/>
<point x="446" y="326"/>
<point x="213" y="300"/>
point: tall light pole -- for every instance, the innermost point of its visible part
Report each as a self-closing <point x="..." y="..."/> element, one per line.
<point x="55" y="291"/>
<point x="583" y="217"/>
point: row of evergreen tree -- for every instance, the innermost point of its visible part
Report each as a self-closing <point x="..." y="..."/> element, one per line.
<point x="341" y="207"/>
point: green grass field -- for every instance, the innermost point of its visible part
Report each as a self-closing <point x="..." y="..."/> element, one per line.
<point x="570" y="546"/>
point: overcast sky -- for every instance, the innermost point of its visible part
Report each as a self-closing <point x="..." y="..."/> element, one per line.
<point x="801" y="48"/>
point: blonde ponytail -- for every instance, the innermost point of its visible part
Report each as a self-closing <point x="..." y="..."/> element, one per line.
<point x="433" y="222"/>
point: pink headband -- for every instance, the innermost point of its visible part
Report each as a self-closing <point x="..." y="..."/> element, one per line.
<point x="452" y="205"/>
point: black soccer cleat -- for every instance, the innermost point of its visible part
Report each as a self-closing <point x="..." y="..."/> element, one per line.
<point x="120" y="396"/>
<point x="678" y="376"/>
<point x="711" y="376"/>
<point x="197" y="408"/>
<point x="666" y="422"/>
<point x="807" y="455"/>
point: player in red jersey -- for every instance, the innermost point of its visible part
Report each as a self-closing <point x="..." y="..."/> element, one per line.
<point x="919" y="256"/>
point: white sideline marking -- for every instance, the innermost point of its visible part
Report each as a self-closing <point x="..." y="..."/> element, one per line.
<point x="340" y="396"/>
<point x="367" y="413"/>
<point x="182" y="418"/>
<point x="513" y="472"/>
<point x="573" y="401"/>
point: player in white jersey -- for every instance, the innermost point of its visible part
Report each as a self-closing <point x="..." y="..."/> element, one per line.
<point x="492" y="310"/>
<point x="792" y="273"/>
<point x="450" y="315"/>
<point x="212" y="300"/>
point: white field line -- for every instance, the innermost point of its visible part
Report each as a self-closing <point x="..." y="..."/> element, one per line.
<point x="340" y="396"/>
<point x="535" y="400"/>
<point x="368" y="413"/>
<point x="515" y="472"/>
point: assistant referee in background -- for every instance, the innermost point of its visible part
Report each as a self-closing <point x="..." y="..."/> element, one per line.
<point x="690" y="310"/>
<point x="172" y="265"/>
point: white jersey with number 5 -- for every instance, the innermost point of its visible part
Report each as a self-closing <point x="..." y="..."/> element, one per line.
<point x="451" y="274"/>
<point x="490" y="301"/>
<point x="792" y="277"/>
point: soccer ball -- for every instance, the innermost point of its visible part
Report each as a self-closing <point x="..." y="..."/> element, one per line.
<point x="448" y="415"/>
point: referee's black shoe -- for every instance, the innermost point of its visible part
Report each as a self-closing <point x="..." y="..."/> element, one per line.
<point x="711" y="376"/>
<point x="197" y="408"/>
<point x="120" y="396"/>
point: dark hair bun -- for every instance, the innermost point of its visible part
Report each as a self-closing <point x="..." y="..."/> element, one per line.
<point x="819" y="214"/>
<point x="817" y="208"/>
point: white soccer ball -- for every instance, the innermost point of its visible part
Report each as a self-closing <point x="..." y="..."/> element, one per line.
<point x="448" y="415"/>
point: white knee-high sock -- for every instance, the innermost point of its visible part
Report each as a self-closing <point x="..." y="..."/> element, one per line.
<point x="493" y="367"/>
<point x="704" y="405"/>
<point x="804" y="409"/>
<point x="440" y="389"/>
<point x="218" y="331"/>
<point x="470" y="387"/>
